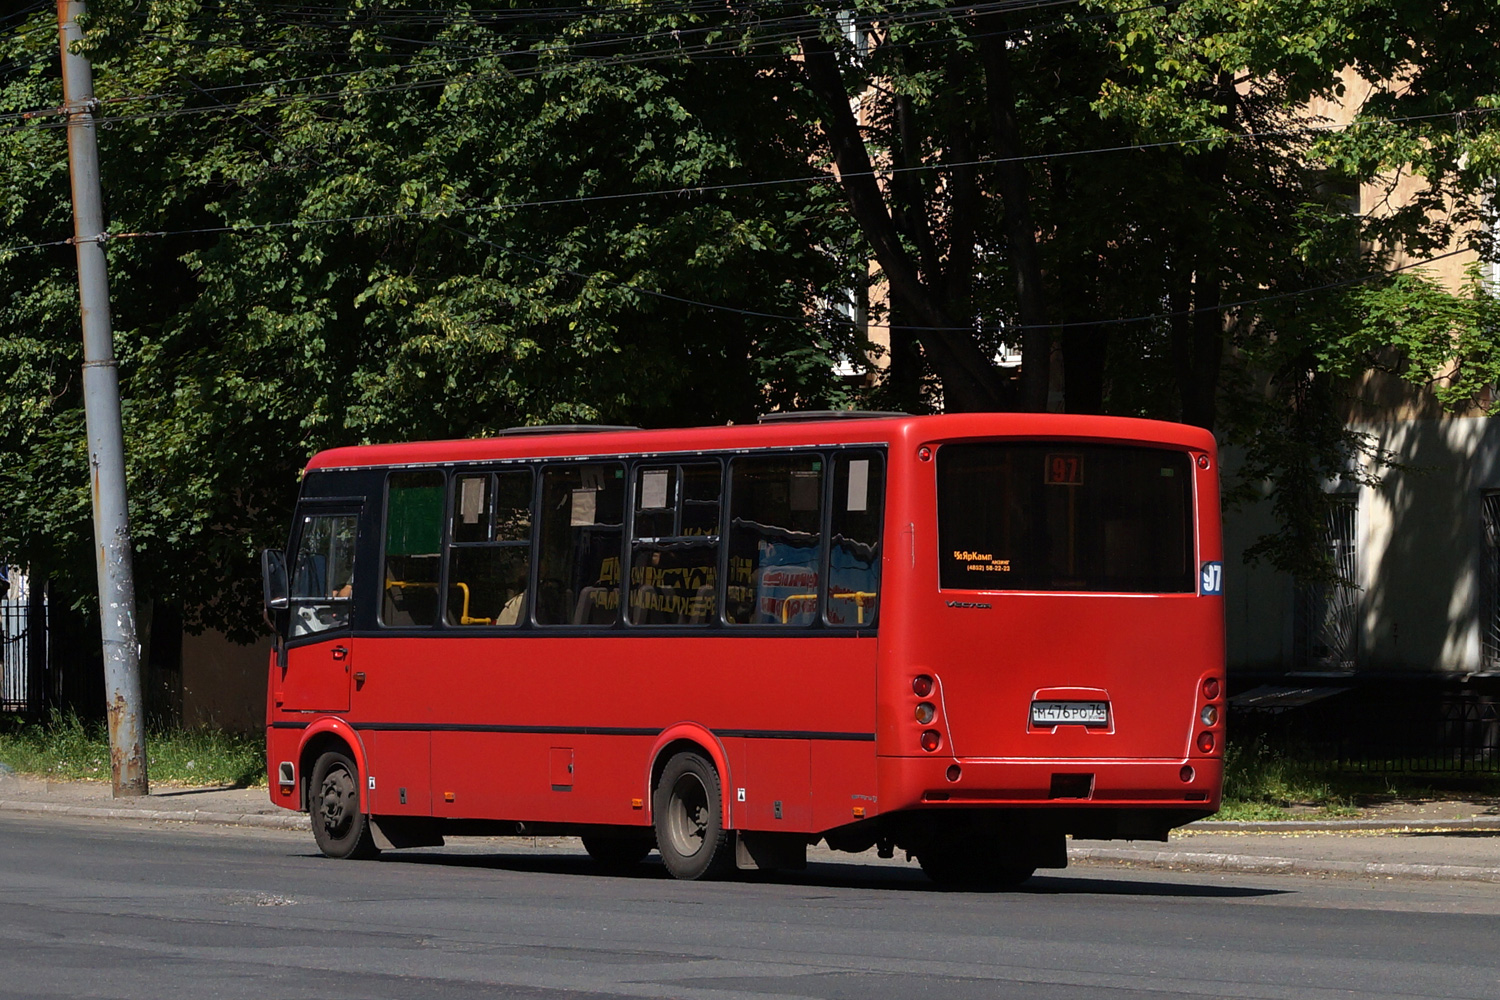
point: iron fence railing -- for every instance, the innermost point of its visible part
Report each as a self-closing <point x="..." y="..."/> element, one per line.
<point x="16" y="681"/>
<point x="1490" y="624"/>
<point x="1374" y="727"/>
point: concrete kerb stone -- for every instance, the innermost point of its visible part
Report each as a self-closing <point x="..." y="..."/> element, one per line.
<point x="289" y="821"/>
<point x="1344" y="825"/>
<point x="1199" y="860"/>
<point x="1283" y="866"/>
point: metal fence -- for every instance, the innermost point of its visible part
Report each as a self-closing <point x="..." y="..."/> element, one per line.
<point x="20" y="685"/>
<point x="1379" y="727"/>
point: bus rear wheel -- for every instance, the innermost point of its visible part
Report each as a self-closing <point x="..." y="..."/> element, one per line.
<point x="688" y="816"/>
<point x="340" y="829"/>
<point x="618" y="851"/>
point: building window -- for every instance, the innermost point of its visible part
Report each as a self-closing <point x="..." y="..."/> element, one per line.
<point x="1490" y="623"/>
<point x="1325" y="622"/>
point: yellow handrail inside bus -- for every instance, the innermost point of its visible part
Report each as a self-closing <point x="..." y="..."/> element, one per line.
<point x="862" y="599"/>
<point x="463" y="615"/>
<point x="786" y="602"/>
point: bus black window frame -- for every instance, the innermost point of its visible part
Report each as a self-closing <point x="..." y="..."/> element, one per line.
<point x="635" y="542"/>
<point x="619" y="466"/>
<point x="875" y="496"/>
<point x="383" y="568"/>
<point x="453" y="548"/>
<point x="307" y="513"/>
<point x="814" y="618"/>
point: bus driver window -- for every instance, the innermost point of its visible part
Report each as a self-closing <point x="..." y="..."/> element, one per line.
<point x="323" y="574"/>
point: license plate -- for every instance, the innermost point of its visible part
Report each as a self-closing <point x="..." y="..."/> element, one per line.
<point x="1062" y="713"/>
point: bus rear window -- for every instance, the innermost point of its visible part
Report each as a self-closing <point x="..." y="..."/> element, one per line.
<point x="1059" y="516"/>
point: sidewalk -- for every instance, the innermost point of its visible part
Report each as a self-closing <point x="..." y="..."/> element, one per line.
<point x="93" y="800"/>
<point x="1435" y="840"/>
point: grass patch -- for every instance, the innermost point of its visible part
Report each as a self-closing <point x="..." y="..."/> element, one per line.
<point x="66" y="748"/>
<point x="1264" y="782"/>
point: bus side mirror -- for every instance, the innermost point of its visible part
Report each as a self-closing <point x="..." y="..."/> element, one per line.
<point x="274" y="580"/>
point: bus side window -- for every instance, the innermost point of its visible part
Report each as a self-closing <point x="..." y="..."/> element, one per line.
<point x="674" y="548"/>
<point x="775" y="545"/>
<point x="582" y="520"/>
<point x="323" y="574"/>
<point x="854" y="548"/>
<point x="489" y="558"/>
<point x="413" y="544"/>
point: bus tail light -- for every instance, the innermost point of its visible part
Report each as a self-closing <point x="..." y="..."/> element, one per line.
<point x="931" y="740"/>
<point x="1205" y="742"/>
<point x="926" y="712"/>
<point x="1209" y="715"/>
<point x="921" y="685"/>
<point x="1211" y="688"/>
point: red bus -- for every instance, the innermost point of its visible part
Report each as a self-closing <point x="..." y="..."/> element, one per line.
<point x="965" y="636"/>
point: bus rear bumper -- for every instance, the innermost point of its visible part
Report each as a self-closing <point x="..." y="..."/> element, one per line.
<point x="1191" y="783"/>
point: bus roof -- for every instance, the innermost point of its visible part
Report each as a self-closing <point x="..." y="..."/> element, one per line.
<point x="574" y="442"/>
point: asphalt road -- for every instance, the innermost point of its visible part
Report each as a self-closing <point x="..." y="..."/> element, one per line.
<point x="123" y="909"/>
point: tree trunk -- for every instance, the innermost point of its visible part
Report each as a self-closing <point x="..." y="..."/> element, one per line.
<point x="970" y="380"/>
<point x="1020" y="229"/>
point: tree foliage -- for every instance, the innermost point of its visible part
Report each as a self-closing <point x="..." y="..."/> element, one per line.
<point x="382" y="226"/>
<point x="384" y="220"/>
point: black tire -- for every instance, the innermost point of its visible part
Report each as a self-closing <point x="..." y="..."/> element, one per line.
<point x="619" y="851"/>
<point x="973" y="865"/>
<point x="689" y="821"/>
<point x="340" y="829"/>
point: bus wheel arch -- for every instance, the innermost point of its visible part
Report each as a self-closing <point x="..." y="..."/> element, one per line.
<point x="690" y="738"/>
<point x="335" y="736"/>
<point x="692" y="835"/>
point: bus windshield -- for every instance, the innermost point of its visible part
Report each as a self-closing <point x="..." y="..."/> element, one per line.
<point x="1063" y="516"/>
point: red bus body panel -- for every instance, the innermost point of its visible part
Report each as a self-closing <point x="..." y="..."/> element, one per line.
<point x="811" y="730"/>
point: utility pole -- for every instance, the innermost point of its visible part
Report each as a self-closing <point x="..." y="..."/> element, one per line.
<point x="101" y="399"/>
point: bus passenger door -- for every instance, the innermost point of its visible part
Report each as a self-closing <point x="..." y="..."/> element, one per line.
<point x="315" y="672"/>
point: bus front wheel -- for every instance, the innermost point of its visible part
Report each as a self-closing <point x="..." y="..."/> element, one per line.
<point x="339" y="827"/>
<point x="689" y="820"/>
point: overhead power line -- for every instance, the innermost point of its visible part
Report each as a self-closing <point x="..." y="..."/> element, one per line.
<point x="766" y="35"/>
<point x="814" y="178"/>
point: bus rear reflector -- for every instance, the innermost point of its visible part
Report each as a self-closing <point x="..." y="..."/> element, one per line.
<point x="1187" y="773"/>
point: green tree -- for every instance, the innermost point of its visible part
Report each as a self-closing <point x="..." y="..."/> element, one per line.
<point x="384" y="223"/>
<point x="1143" y="199"/>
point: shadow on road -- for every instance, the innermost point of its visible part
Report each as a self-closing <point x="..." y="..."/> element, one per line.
<point x="830" y="875"/>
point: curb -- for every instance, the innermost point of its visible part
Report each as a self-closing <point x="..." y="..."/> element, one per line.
<point x="1199" y="860"/>
<point x="1342" y="825"/>
<point x="291" y="821"/>
<point x="1282" y="866"/>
